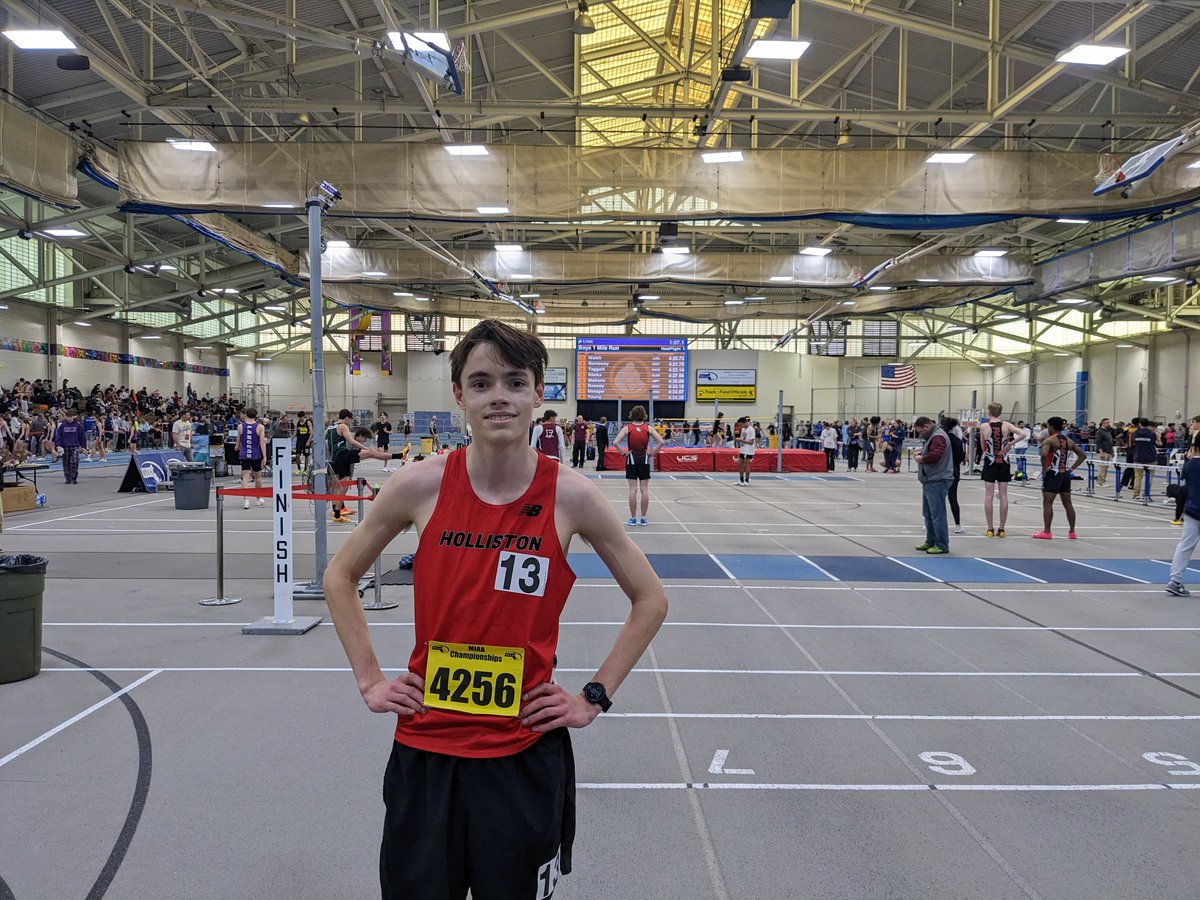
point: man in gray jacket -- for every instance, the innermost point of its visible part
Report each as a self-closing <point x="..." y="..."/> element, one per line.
<point x="935" y="471"/>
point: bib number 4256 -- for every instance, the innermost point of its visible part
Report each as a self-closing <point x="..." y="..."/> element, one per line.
<point x="519" y="573"/>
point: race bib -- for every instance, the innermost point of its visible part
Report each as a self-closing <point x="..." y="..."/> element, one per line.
<point x="474" y="678"/>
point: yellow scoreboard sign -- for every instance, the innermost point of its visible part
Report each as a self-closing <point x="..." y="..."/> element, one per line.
<point x="734" y="385"/>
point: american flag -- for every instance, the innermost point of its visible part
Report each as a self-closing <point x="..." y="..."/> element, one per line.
<point x="893" y="378"/>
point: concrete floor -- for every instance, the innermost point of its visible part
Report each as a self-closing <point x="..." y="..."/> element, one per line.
<point x="782" y="738"/>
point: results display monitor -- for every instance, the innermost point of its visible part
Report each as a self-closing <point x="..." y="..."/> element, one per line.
<point x="631" y="368"/>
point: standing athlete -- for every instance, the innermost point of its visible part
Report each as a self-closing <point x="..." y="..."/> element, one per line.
<point x="480" y="787"/>
<point x="303" y="449"/>
<point x="996" y="440"/>
<point x="747" y="442"/>
<point x="252" y="450"/>
<point x="1056" y="476"/>
<point x="638" y="436"/>
<point x="547" y="437"/>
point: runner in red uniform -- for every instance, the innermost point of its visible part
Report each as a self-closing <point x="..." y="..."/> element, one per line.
<point x="480" y="787"/>
<point x="638" y="436"/>
<point x="996" y="439"/>
<point x="1056" y="476"/>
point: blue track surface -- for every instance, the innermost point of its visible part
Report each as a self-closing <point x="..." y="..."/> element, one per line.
<point x="905" y="569"/>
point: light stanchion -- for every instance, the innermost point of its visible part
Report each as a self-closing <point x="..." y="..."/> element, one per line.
<point x="220" y="599"/>
<point x="282" y="620"/>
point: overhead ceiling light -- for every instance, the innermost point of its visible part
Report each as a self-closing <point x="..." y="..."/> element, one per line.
<point x="1160" y="279"/>
<point x="492" y="210"/>
<point x="530" y="296"/>
<point x="1006" y="317"/>
<point x="80" y="324"/>
<point x="264" y="359"/>
<point x="431" y="38"/>
<point x="421" y="299"/>
<point x="205" y="347"/>
<point x="677" y="250"/>
<point x="1195" y="165"/>
<point x="230" y="290"/>
<point x="150" y="337"/>
<point x="720" y="156"/>
<point x="1125" y="346"/>
<point x="195" y="146"/>
<point x="1073" y="221"/>
<point x="816" y="251"/>
<point x="39" y="39"/>
<point x="1012" y="362"/>
<point x="401" y="293"/>
<point x="373" y="274"/>
<point x="509" y="248"/>
<point x="279" y="205"/>
<point x="1072" y="301"/>
<point x="1091" y="54"/>
<point x="990" y="254"/>
<point x="768" y="49"/>
<point x="1062" y="354"/>
<point x="848" y="303"/>
<point x="782" y="278"/>
<point x="241" y="356"/>
<point x="167" y="267"/>
<point x="956" y="329"/>
<point x="734" y="302"/>
<point x="275" y="308"/>
<point x="757" y="297"/>
<point x="987" y="365"/>
<point x="648" y="296"/>
<point x="520" y="278"/>
<point x="929" y="280"/>
<point x="948" y="158"/>
<point x="338" y="245"/>
<point x="467" y="150"/>
<point x="583" y="24"/>
<point x="880" y="287"/>
<point x="65" y="232"/>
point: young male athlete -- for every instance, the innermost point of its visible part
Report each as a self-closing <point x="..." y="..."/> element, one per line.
<point x="252" y="450"/>
<point x="747" y="442"/>
<point x="638" y="436"/>
<point x="303" y="448"/>
<point x="480" y="787"/>
<point x="1056" y="476"/>
<point x="548" y="438"/>
<point x="346" y="450"/>
<point x="997" y="438"/>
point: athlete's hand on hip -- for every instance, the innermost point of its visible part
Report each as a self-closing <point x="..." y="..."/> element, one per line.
<point x="404" y="695"/>
<point x="550" y="706"/>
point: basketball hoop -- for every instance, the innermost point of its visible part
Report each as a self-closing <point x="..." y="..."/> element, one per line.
<point x="1108" y="165"/>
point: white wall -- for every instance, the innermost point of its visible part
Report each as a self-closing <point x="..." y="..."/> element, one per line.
<point x="26" y="323"/>
<point x="290" y="382"/>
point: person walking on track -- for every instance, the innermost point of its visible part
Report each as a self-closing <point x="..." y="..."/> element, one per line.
<point x="640" y="439"/>
<point x="1189" y="477"/>
<point x="69" y="440"/>
<point x="252" y="451"/>
<point x="1056" y="476"/>
<point x="480" y="787"/>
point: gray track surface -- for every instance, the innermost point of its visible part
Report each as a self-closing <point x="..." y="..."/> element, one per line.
<point x="267" y="767"/>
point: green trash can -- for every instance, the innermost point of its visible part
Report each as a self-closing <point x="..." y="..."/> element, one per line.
<point x="22" y="583"/>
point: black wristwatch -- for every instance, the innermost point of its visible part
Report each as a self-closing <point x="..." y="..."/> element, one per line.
<point x="594" y="692"/>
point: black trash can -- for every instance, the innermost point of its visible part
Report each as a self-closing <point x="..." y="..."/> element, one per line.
<point x="22" y="583"/>
<point x="193" y="485"/>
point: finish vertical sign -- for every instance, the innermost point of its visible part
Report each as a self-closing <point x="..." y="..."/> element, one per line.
<point x="282" y="558"/>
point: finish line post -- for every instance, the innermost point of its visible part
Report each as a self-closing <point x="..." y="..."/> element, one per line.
<point x="283" y="559"/>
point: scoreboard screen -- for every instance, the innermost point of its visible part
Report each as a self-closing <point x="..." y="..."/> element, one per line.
<point x="631" y="368"/>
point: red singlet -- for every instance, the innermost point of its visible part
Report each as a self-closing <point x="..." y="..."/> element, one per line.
<point x="468" y="553"/>
<point x="639" y="439"/>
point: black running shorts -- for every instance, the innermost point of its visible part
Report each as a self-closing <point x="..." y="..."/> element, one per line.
<point x="996" y="473"/>
<point x="344" y="463"/>
<point x="501" y="827"/>
<point x="1056" y="483"/>
<point x="251" y="465"/>
<point x="637" y="468"/>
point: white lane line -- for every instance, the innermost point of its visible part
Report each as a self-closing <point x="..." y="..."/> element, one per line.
<point x="88" y="513"/>
<point x="721" y="566"/>
<point x="912" y="718"/>
<point x="71" y="721"/>
<point x="615" y="624"/>
<point x="1077" y="562"/>
<point x="1014" y="571"/>
<point x="915" y="569"/>
<point x="907" y="788"/>
<point x="828" y="575"/>
<point x="645" y="670"/>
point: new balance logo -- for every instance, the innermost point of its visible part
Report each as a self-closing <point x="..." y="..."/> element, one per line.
<point x="532" y="510"/>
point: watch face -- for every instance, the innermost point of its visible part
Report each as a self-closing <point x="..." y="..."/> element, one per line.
<point x="593" y="692"/>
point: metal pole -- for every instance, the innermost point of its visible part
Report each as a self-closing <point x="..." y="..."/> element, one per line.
<point x="779" y="435"/>
<point x="315" y="206"/>
<point x="220" y="599"/>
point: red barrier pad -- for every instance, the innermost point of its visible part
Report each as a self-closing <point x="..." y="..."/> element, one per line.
<point x="614" y="459"/>
<point x="725" y="460"/>
<point x="685" y="459"/>
<point x="803" y="461"/>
